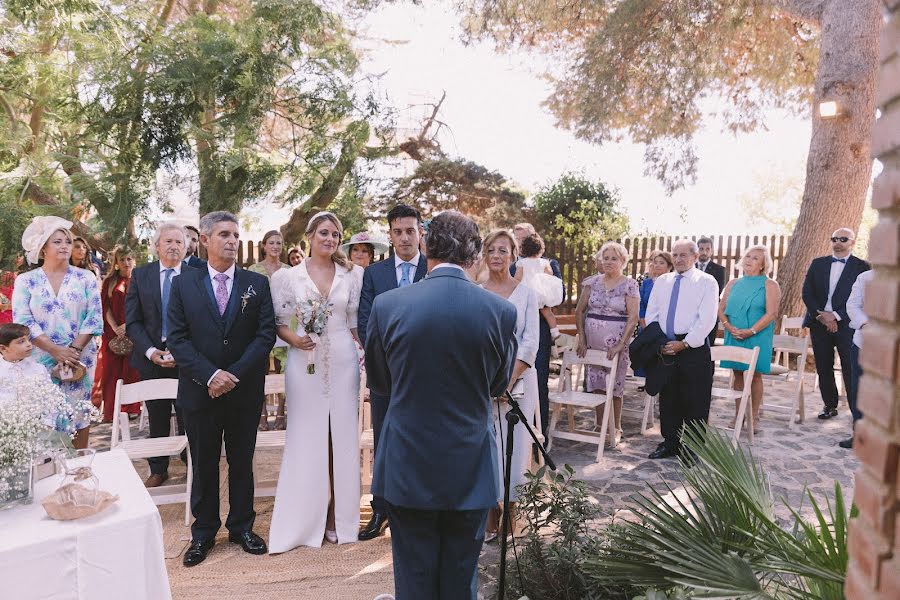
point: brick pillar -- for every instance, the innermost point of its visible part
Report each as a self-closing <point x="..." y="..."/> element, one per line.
<point x="874" y="569"/>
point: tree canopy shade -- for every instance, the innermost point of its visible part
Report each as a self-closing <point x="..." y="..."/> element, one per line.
<point x="651" y="70"/>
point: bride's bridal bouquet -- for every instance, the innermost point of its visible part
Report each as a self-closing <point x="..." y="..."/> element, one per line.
<point x="313" y="315"/>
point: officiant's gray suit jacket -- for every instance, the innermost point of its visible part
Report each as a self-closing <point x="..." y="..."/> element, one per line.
<point x="440" y="350"/>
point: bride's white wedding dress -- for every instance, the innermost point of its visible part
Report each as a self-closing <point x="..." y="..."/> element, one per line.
<point x="315" y="402"/>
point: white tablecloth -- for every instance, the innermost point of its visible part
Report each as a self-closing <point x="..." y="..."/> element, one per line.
<point x="113" y="555"/>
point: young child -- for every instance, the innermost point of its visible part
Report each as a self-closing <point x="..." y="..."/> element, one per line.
<point x="535" y="272"/>
<point x="16" y="361"/>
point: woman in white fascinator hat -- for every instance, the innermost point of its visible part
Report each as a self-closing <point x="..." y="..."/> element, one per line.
<point x="60" y="304"/>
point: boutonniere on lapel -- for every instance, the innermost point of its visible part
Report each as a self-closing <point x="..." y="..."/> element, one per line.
<point x="245" y="298"/>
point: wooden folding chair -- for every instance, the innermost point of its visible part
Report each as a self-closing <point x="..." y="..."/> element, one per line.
<point x="569" y="398"/>
<point x="174" y="445"/>
<point x="785" y="346"/>
<point x="742" y="355"/>
<point x="268" y="439"/>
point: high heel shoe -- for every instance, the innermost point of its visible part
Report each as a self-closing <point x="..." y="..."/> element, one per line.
<point x="331" y="536"/>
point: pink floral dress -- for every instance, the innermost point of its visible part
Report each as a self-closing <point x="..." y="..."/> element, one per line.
<point x="604" y="326"/>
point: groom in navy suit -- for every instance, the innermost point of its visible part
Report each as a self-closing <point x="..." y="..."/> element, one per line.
<point x="439" y="350"/>
<point x="826" y="289"/>
<point x="405" y="267"/>
<point x="221" y="328"/>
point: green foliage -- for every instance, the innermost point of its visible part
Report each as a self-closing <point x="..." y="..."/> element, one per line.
<point x="576" y="209"/>
<point x="651" y="70"/>
<point x="458" y="184"/>
<point x="559" y="515"/>
<point x="721" y="539"/>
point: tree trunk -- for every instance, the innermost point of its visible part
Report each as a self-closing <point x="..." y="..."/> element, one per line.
<point x="839" y="165"/>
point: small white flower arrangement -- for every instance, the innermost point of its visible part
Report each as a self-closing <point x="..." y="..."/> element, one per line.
<point x="28" y="419"/>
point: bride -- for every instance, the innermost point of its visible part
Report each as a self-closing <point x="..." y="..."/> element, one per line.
<point x="318" y="488"/>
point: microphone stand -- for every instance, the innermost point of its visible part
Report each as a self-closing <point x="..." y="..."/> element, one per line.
<point x="513" y="416"/>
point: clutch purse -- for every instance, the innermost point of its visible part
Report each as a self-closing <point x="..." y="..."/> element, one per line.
<point x="67" y="373"/>
<point x="121" y="345"/>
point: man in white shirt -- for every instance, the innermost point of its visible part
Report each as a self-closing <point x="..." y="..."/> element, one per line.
<point x="146" y="325"/>
<point x="825" y="292"/>
<point x="858" y="320"/>
<point x="684" y="303"/>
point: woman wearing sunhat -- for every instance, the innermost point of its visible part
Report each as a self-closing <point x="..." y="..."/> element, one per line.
<point x="363" y="247"/>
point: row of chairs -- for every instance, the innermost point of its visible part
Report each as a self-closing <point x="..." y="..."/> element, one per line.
<point x="570" y="398"/>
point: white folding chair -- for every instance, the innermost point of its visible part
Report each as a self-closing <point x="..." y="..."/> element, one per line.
<point x="366" y="438"/>
<point x="174" y="445"/>
<point x="268" y="439"/>
<point x="742" y="355"/>
<point x="785" y="346"/>
<point x="571" y="399"/>
<point x="648" y="419"/>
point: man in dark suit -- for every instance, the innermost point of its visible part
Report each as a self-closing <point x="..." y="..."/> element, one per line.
<point x="440" y="350"/>
<point x="192" y="235"/>
<point x="826" y="289"/>
<point x="146" y="325"/>
<point x="705" y="264"/>
<point x="221" y="328"/>
<point x="405" y="267"/>
<point x="545" y="342"/>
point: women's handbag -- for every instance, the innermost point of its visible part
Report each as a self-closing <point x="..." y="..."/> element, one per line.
<point x="121" y="345"/>
<point x="67" y="373"/>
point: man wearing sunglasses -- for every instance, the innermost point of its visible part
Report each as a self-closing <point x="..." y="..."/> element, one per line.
<point x="826" y="289"/>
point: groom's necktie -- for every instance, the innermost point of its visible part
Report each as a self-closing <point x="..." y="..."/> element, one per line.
<point x="404" y="276"/>
<point x="673" y="306"/>
<point x="166" y="290"/>
<point x="221" y="292"/>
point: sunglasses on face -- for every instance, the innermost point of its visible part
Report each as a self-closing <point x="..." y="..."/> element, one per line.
<point x="842" y="239"/>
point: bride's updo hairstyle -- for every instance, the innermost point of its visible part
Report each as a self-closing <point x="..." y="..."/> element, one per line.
<point x="453" y="238"/>
<point x="339" y="258"/>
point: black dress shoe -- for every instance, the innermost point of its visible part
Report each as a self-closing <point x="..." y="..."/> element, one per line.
<point x="662" y="451"/>
<point x="249" y="541"/>
<point x="827" y="413"/>
<point x="374" y="528"/>
<point x="848" y="443"/>
<point x="197" y="551"/>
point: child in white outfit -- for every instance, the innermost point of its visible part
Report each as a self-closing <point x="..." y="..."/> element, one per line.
<point x="535" y="272"/>
<point x="16" y="362"/>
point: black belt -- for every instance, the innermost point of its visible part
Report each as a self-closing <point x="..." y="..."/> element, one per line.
<point x="600" y="317"/>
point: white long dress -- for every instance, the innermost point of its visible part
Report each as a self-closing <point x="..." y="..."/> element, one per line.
<point x="528" y="335"/>
<point x="329" y="398"/>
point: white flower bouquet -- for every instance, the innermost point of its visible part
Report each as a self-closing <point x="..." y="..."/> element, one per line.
<point x="313" y="315"/>
<point x="27" y="422"/>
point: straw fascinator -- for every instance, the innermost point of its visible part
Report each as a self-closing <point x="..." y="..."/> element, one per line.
<point x="38" y="232"/>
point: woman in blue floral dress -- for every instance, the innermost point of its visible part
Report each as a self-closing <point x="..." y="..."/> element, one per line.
<point x="60" y="304"/>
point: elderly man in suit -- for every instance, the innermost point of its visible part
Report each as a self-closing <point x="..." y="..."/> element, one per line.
<point x="147" y="326"/>
<point x="405" y="267"/>
<point x="439" y="350"/>
<point x="706" y="264"/>
<point x="684" y="303"/>
<point x="826" y="289"/>
<point x="221" y="339"/>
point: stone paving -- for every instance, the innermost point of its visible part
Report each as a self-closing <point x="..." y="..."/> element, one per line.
<point x="805" y="457"/>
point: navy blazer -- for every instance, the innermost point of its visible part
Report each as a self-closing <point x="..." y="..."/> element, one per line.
<point x="195" y="262"/>
<point x="440" y="350"/>
<point x="815" y="287"/>
<point x="379" y="278"/>
<point x="143" y="318"/>
<point x="202" y="341"/>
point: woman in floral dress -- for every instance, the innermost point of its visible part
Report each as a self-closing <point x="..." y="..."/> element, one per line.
<point x="606" y="316"/>
<point x="60" y="304"/>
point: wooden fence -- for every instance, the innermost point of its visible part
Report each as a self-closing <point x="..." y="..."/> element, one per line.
<point x="577" y="262"/>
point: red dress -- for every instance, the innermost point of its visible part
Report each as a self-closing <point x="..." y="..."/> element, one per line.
<point x="7" y="279"/>
<point x="110" y="366"/>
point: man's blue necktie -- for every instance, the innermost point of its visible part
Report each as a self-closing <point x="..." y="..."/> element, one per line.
<point x="166" y="290"/>
<point x="404" y="276"/>
<point x="673" y="305"/>
<point x="840" y="260"/>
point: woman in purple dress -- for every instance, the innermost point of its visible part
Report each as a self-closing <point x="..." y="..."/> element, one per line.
<point x="606" y="316"/>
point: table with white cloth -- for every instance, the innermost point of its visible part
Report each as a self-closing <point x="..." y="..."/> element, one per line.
<point x="115" y="554"/>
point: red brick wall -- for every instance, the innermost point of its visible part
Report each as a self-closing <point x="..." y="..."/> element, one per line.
<point x="874" y="570"/>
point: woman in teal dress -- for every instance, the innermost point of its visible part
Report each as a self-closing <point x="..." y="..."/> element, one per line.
<point x="748" y="310"/>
